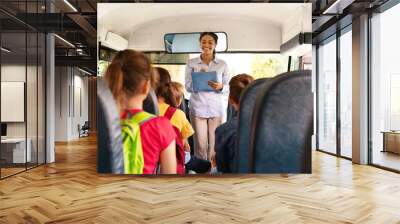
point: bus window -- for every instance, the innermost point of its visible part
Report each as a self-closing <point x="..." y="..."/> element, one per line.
<point x="102" y="66"/>
<point x="259" y="65"/>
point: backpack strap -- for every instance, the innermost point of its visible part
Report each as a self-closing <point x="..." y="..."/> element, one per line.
<point x="141" y="117"/>
<point x="170" y="112"/>
<point x="133" y="154"/>
<point x="180" y="152"/>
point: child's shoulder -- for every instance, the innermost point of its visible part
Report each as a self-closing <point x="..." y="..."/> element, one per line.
<point x="159" y="122"/>
<point x="180" y="113"/>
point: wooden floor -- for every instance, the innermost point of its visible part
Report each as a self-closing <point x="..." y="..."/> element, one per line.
<point x="387" y="159"/>
<point x="70" y="191"/>
<point x="10" y="171"/>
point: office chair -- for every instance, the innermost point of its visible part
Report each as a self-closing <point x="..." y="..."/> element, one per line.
<point x="84" y="129"/>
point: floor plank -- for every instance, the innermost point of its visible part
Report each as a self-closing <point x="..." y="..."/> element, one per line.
<point x="70" y="191"/>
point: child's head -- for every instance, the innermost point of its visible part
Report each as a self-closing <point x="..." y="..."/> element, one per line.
<point x="165" y="89"/>
<point x="128" y="76"/>
<point x="177" y="91"/>
<point x="163" y="76"/>
<point x="236" y="86"/>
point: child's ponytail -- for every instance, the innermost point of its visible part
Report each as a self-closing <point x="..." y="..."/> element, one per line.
<point x="115" y="78"/>
<point x="126" y="75"/>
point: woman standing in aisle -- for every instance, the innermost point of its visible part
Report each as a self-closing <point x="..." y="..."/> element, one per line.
<point x="206" y="108"/>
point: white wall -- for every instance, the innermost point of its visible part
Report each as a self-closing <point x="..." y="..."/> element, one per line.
<point x="62" y="82"/>
<point x="79" y="117"/>
<point x="33" y="127"/>
<point x="297" y="22"/>
<point x="243" y="34"/>
<point x="16" y="73"/>
<point x="70" y="83"/>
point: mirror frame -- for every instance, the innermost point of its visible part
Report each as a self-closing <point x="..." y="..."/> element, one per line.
<point x="165" y="47"/>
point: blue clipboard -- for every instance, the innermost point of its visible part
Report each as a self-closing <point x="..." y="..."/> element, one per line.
<point x="200" y="81"/>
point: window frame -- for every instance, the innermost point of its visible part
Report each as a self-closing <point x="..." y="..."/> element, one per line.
<point x="371" y="14"/>
<point x="333" y="37"/>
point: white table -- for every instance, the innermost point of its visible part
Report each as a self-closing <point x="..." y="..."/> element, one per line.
<point x="18" y="148"/>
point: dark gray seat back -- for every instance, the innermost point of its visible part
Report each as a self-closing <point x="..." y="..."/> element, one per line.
<point x="247" y="103"/>
<point x="183" y="105"/>
<point x="230" y="112"/>
<point x="150" y="104"/>
<point x="109" y="141"/>
<point x="282" y="126"/>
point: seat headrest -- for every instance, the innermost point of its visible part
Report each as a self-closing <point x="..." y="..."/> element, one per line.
<point x="247" y="103"/>
<point x="109" y="140"/>
<point x="282" y="125"/>
<point x="150" y="104"/>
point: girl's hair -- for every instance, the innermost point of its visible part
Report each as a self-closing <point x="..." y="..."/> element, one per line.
<point x="237" y="84"/>
<point x="164" y="88"/>
<point x="177" y="90"/>
<point x="211" y="34"/>
<point x="154" y="78"/>
<point x="126" y="75"/>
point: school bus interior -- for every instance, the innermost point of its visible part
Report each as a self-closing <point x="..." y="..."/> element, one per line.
<point x="339" y="60"/>
<point x="263" y="46"/>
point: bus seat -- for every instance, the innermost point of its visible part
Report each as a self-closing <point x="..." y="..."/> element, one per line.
<point x="247" y="101"/>
<point x="109" y="140"/>
<point x="183" y="105"/>
<point x="282" y="126"/>
<point x="230" y="112"/>
<point x="150" y="104"/>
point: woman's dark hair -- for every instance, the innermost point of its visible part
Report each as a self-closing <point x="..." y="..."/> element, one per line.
<point x="211" y="34"/>
<point x="126" y="74"/>
<point x="237" y="84"/>
<point x="164" y="88"/>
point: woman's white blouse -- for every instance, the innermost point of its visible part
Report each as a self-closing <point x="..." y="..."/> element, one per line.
<point x="207" y="104"/>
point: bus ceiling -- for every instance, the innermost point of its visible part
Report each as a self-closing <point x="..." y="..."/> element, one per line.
<point x="251" y="27"/>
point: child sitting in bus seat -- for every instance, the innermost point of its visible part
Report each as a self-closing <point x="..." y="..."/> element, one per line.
<point x="225" y="134"/>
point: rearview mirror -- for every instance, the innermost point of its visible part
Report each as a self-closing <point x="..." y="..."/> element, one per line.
<point x="189" y="42"/>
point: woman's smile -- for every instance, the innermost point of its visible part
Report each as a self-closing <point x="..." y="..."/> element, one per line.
<point x="207" y="44"/>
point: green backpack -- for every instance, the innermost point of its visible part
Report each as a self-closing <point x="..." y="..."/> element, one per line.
<point x="132" y="143"/>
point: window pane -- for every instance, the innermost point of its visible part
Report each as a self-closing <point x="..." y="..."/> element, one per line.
<point x="294" y="65"/>
<point x="31" y="97"/>
<point x="346" y="94"/>
<point x="41" y="98"/>
<point x="102" y="67"/>
<point x="257" y="65"/>
<point x="386" y="89"/>
<point x="327" y="97"/>
<point x="13" y="84"/>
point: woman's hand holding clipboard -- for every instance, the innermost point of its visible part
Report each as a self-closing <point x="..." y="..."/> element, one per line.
<point x="215" y="85"/>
